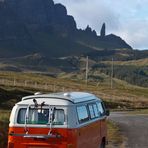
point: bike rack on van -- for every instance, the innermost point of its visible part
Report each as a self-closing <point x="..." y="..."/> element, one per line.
<point x="26" y="118"/>
<point x="50" y="135"/>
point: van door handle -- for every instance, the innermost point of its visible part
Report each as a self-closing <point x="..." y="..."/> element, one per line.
<point x="79" y="134"/>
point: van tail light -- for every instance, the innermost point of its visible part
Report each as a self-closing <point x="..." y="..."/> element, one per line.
<point x="10" y="145"/>
<point x="70" y="146"/>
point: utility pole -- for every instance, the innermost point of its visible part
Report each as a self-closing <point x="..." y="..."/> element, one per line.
<point x="112" y="73"/>
<point x="86" y="76"/>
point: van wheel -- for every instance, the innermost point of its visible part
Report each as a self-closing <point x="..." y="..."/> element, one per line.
<point x="102" y="144"/>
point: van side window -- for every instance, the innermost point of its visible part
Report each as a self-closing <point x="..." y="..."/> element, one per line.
<point x="93" y="110"/>
<point x="96" y="110"/>
<point x="100" y="108"/>
<point x="82" y="114"/>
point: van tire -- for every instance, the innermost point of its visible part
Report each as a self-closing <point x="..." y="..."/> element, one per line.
<point x="102" y="144"/>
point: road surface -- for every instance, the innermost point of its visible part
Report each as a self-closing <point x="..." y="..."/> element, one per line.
<point x="133" y="127"/>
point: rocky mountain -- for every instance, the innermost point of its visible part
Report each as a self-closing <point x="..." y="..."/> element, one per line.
<point x="41" y="26"/>
<point x="23" y="22"/>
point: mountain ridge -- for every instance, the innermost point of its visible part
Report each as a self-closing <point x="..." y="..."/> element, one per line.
<point x="36" y="26"/>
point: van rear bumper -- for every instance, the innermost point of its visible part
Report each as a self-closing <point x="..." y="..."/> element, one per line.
<point x="37" y="136"/>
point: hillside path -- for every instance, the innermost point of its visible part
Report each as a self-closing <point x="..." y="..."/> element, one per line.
<point x="133" y="127"/>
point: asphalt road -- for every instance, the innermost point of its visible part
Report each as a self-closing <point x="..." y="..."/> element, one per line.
<point x="133" y="127"/>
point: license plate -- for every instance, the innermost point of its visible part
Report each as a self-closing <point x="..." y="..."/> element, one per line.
<point x="37" y="147"/>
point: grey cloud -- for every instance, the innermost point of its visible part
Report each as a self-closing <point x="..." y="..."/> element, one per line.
<point x="129" y="19"/>
<point x="92" y="13"/>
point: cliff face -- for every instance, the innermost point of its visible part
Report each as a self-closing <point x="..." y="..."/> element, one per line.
<point x="40" y="26"/>
<point x="37" y="14"/>
<point x="42" y="13"/>
<point x="20" y="20"/>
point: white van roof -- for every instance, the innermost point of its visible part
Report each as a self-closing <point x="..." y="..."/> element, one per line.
<point x="71" y="97"/>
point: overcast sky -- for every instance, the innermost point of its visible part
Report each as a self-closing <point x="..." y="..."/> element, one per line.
<point x="125" y="18"/>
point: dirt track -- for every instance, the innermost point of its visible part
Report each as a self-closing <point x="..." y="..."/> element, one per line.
<point x="133" y="127"/>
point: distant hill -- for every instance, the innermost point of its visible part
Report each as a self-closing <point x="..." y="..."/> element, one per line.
<point x="40" y="26"/>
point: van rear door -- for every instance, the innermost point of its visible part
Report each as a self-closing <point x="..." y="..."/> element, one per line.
<point x="33" y="128"/>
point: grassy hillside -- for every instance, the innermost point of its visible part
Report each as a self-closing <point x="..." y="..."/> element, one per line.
<point x="140" y="62"/>
<point x="134" y="71"/>
<point x="122" y="95"/>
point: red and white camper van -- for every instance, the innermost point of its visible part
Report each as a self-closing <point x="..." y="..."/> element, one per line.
<point x="59" y="120"/>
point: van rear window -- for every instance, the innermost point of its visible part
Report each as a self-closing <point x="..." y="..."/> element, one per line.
<point x="41" y="116"/>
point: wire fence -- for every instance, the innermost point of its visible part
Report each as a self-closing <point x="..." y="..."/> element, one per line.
<point x="54" y="87"/>
<point x="50" y="86"/>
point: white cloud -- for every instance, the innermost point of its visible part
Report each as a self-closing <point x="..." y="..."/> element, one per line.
<point x="135" y="33"/>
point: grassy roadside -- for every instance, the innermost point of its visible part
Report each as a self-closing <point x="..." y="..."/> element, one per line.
<point x="138" y="112"/>
<point x="4" y="121"/>
<point x="115" y="138"/>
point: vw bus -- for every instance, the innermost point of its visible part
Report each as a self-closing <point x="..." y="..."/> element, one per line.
<point x="58" y="120"/>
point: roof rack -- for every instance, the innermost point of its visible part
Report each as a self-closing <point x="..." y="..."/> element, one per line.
<point x="74" y="97"/>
